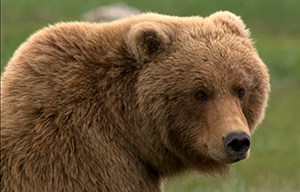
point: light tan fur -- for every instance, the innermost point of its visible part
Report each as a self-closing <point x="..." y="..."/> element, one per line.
<point x="111" y="107"/>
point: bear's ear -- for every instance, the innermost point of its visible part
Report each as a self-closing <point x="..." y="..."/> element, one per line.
<point x="230" y="22"/>
<point x="147" y="39"/>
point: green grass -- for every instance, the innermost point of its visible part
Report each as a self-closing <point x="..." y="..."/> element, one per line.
<point x="275" y="156"/>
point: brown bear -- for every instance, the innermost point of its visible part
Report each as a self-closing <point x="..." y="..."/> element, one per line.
<point x="120" y="106"/>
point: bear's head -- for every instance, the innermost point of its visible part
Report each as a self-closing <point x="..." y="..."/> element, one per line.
<point x="201" y="86"/>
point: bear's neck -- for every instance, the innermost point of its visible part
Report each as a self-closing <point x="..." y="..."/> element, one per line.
<point x="118" y="163"/>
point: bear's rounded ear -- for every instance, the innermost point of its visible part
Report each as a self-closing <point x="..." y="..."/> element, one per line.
<point x="147" y="39"/>
<point x="230" y="22"/>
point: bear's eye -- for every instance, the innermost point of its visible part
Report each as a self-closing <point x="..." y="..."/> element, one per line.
<point x="201" y="96"/>
<point x="241" y="92"/>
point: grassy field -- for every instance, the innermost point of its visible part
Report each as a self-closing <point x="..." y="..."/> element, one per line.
<point x="274" y="164"/>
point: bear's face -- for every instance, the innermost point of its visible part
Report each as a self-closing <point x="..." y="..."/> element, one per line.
<point x="204" y="91"/>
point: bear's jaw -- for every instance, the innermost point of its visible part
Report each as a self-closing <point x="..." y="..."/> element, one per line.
<point x="238" y="157"/>
<point x="232" y="158"/>
<point x="212" y="167"/>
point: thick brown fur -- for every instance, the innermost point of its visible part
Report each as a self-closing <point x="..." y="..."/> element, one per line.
<point x="112" y="107"/>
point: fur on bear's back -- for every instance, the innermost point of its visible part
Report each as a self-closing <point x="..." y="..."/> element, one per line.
<point x="89" y="107"/>
<point x="56" y="98"/>
<point x="52" y="103"/>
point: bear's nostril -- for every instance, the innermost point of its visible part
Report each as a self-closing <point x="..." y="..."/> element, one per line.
<point x="237" y="143"/>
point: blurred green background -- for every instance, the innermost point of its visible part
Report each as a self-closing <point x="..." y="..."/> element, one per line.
<point x="274" y="164"/>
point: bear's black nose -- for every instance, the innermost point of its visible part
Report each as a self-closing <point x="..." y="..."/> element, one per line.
<point x="237" y="143"/>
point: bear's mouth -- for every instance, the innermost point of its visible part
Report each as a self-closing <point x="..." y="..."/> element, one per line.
<point x="236" y="158"/>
